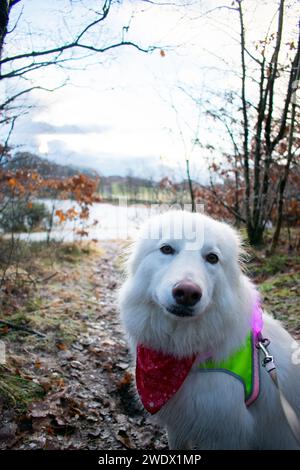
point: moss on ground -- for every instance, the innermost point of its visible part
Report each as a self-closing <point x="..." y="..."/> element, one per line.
<point x="53" y="307"/>
<point x="18" y="391"/>
<point x="281" y="297"/>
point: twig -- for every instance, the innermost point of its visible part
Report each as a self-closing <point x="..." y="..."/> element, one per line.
<point x="22" y="328"/>
<point x="47" y="278"/>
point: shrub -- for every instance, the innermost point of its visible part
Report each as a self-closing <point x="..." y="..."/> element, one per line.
<point x="20" y="217"/>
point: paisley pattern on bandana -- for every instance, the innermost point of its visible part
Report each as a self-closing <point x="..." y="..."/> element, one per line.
<point x="159" y="376"/>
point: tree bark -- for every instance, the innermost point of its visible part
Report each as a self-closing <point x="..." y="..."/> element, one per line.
<point x="3" y="22"/>
<point x="192" y="196"/>
<point x="245" y="122"/>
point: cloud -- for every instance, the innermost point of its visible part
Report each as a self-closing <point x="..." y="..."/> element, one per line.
<point x="40" y="127"/>
<point x="109" y="164"/>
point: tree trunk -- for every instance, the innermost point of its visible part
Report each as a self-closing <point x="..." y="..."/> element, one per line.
<point x="255" y="235"/>
<point x="245" y="123"/>
<point x="190" y="185"/>
<point x="284" y="180"/>
<point x="3" y="22"/>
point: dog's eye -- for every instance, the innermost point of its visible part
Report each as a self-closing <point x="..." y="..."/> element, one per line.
<point x="167" y="250"/>
<point x="212" y="258"/>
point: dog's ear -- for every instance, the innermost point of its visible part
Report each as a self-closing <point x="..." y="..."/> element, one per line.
<point x="143" y="243"/>
<point x="231" y="242"/>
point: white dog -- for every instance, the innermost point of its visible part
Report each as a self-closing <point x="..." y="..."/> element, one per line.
<point x="185" y="303"/>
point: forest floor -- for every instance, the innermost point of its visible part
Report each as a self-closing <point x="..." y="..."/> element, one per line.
<point x="72" y="387"/>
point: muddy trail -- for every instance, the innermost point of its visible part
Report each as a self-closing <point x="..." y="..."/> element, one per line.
<point x="76" y="384"/>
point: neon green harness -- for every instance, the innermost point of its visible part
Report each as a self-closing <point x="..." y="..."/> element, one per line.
<point x="243" y="365"/>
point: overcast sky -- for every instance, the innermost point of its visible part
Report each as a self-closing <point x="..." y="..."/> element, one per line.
<point x="125" y="112"/>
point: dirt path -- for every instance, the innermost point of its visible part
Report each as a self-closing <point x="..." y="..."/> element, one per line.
<point x="74" y="388"/>
<point x="89" y="402"/>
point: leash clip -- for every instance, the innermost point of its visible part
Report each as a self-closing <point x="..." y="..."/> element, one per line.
<point x="268" y="360"/>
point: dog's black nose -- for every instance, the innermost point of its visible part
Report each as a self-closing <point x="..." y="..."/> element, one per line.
<point x="187" y="293"/>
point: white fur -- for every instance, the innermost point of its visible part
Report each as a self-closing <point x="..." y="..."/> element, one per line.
<point x="208" y="411"/>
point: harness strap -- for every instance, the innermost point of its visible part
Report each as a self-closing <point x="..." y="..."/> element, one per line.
<point x="243" y="364"/>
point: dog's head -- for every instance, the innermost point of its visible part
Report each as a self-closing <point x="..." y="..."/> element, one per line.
<point x="184" y="263"/>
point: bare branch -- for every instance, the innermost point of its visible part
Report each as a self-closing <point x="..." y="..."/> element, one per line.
<point x="22" y="328"/>
<point x="224" y="204"/>
<point x="27" y="90"/>
<point x="294" y="76"/>
<point x="16" y="22"/>
<point x="105" y="11"/>
<point x="72" y="46"/>
<point x="59" y="50"/>
<point x="6" y="143"/>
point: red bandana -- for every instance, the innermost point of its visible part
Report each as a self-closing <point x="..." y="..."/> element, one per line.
<point x="159" y="376"/>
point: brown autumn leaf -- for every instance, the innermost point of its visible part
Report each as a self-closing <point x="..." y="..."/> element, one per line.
<point x="125" y="380"/>
<point x="60" y="383"/>
<point x="50" y="430"/>
<point x="4" y="330"/>
<point x="45" y="383"/>
<point x="12" y="182"/>
<point x="37" y="364"/>
<point x="60" y="215"/>
<point x="123" y="437"/>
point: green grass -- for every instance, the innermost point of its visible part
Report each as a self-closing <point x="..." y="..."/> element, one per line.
<point x="60" y="252"/>
<point x="262" y="266"/>
<point x="17" y="391"/>
<point x="144" y="194"/>
<point x="25" y="304"/>
<point x="280" y="296"/>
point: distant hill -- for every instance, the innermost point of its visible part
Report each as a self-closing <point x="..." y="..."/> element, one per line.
<point x="49" y="169"/>
<point x="46" y="168"/>
<point x="113" y="187"/>
<point x="128" y="180"/>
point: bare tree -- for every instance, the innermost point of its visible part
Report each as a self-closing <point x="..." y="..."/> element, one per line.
<point x="289" y="158"/>
<point x="269" y="126"/>
<point x="261" y="122"/>
<point x="66" y="50"/>
<point x="188" y="146"/>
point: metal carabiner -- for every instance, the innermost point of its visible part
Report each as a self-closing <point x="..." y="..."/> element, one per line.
<point x="268" y="360"/>
<point x="268" y="357"/>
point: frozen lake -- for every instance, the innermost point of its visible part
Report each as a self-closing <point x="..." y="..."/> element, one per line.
<point x="106" y="221"/>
